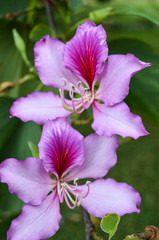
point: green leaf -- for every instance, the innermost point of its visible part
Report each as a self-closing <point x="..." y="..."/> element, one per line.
<point x="99" y="15"/>
<point x="137" y="14"/>
<point x="75" y="5"/>
<point x="141" y="9"/>
<point x="19" y="42"/>
<point x="34" y="150"/>
<point x="10" y="59"/>
<point x="20" y="45"/>
<point x="9" y="7"/>
<point x="39" y="31"/>
<point x="4" y="226"/>
<point x="14" y="134"/>
<point x="109" y="224"/>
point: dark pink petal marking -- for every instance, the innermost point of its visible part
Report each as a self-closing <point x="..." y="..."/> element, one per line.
<point x="61" y="147"/>
<point x="86" y="52"/>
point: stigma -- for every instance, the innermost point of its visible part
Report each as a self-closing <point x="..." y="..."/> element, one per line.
<point x="77" y="105"/>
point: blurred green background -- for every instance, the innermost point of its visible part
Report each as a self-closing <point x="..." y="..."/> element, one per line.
<point x="132" y="27"/>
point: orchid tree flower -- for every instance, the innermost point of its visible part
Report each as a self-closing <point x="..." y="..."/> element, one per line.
<point x="65" y="157"/>
<point x="77" y="67"/>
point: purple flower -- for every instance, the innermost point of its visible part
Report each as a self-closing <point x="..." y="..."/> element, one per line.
<point x="76" y="67"/>
<point x="44" y="183"/>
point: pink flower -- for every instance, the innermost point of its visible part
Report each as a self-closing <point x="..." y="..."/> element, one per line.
<point x="44" y="183"/>
<point x="75" y="67"/>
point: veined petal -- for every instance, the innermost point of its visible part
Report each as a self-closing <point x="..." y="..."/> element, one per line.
<point x="108" y="196"/>
<point x="49" y="64"/>
<point x="115" y="79"/>
<point x="86" y="52"/>
<point x="38" y="107"/>
<point x="100" y="156"/>
<point x="37" y="222"/>
<point x="61" y="147"/>
<point x="27" y="179"/>
<point x="117" y="119"/>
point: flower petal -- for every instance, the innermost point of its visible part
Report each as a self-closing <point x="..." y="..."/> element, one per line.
<point x="27" y="179"/>
<point x="61" y="147"/>
<point x="38" y="107"/>
<point x="37" y="222"/>
<point x="115" y="79"/>
<point x="100" y="156"/>
<point x="49" y="64"/>
<point x="108" y="196"/>
<point x="117" y="120"/>
<point x="86" y="52"/>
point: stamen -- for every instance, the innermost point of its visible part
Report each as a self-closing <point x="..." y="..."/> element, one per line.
<point x="79" y="201"/>
<point x="81" y="92"/>
<point x="75" y="181"/>
<point x="73" y="103"/>
<point x="88" y="190"/>
<point x="68" y="204"/>
<point x="60" y="191"/>
<point x="78" y="104"/>
<point x="64" y="104"/>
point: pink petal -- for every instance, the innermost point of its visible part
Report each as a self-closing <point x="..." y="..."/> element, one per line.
<point x="61" y="147"/>
<point x="115" y="79"/>
<point x="117" y="119"/>
<point x="86" y="52"/>
<point x="27" y="179"/>
<point x="109" y="196"/>
<point x="49" y="64"/>
<point x="37" y="222"/>
<point x="100" y="156"/>
<point x="38" y="107"/>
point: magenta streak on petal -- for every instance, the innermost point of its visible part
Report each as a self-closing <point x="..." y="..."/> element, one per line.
<point x="61" y="147"/>
<point x="63" y="155"/>
<point x="84" y="59"/>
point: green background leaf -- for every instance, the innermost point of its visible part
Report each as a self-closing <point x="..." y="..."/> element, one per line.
<point x="109" y="224"/>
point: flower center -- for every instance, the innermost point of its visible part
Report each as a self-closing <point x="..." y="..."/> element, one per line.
<point x="78" y="105"/>
<point x="70" y="194"/>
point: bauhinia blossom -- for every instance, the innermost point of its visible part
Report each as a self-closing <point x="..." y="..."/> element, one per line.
<point x="76" y="67"/>
<point x="65" y="157"/>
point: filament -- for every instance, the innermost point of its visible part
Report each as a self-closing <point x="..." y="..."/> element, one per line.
<point x="78" y="105"/>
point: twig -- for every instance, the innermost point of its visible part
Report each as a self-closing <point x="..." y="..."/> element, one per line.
<point x="17" y="14"/>
<point x="50" y="17"/>
<point x="8" y="85"/>
<point x="90" y="230"/>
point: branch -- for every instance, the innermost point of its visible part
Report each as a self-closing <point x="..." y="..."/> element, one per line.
<point x="90" y="230"/>
<point x="50" y="17"/>
<point x="8" y="85"/>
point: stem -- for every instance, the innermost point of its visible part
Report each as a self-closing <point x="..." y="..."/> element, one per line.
<point x="90" y="230"/>
<point x="50" y="17"/>
<point x="82" y="121"/>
